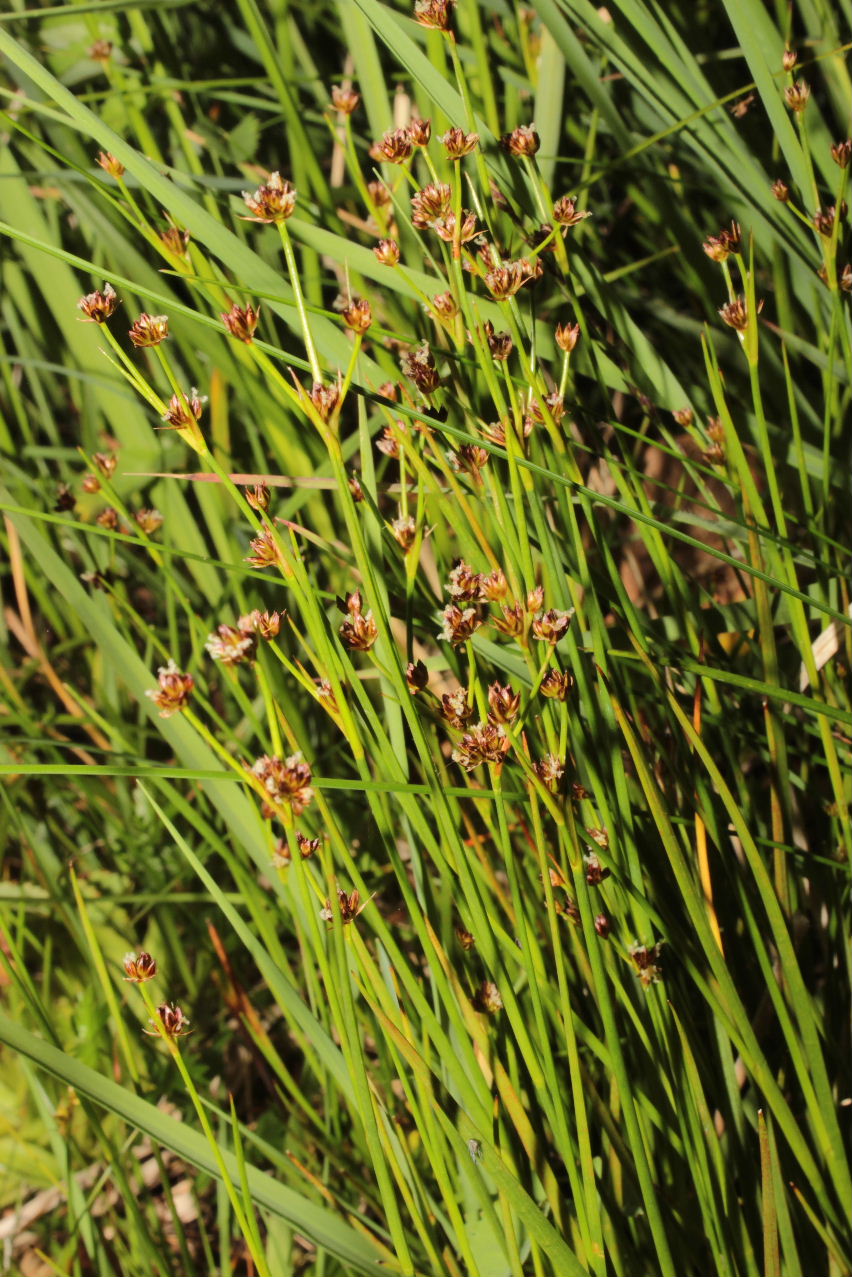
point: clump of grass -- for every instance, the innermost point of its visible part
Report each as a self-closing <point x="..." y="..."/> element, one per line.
<point x="436" y="652"/>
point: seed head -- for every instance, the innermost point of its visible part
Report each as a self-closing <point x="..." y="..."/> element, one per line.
<point x="449" y="229"/>
<point x="550" y="771"/>
<point x="416" y="676"/>
<point x="232" y="644"/>
<point x="258" y="497"/>
<point x="469" y="459"/>
<point x="504" y="281"/>
<point x="395" y="147"/>
<point x="139" y="967"/>
<point x="286" y="781"/>
<point x="484" y="743"/>
<point x="176" y="241"/>
<point x="684" y="417"/>
<point x="720" y="247"/>
<point x="101" y="51"/>
<point x="552" y="626"/>
<point x="183" y="414"/>
<point x="326" y="398"/>
<point x="419" y="365"/>
<point x="379" y="194"/>
<point x="110" y="164"/>
<point x="64" y="499"/>
<point x="487" y="998"/>
<point x="647" y="963"/>
<point x="602" y="925"/>
<point x="434" y="13"/>
<point x="108" y="518"/>
<point x="735" y="314"/>
<point x="459" y="625"/>
<point x="89" y="483"/>
<point x="358" y="315"/>
<point x="846" y="278"/>
<point x="503" y="704"/>
<point x="430" y="204"/>
<point x="556" y="685"/>
<point x="521" y="141"/>
<point x="445" y="306"/>
<point x="499" y="344"/>
<point x="241" y="321"/>
<point x="458" y="143"/>
<point x="824" y="218"/>
<point x="170" y="1022"/>
<point x="404" y="530"/>
<point x="513" y="621"/>
<point x="420" y="131"/>
<point x="567" y="336"/>
<point x="494" y="587"/>
<point x="307" y="846"/>
<point x="345" y="100"/>
<point x="267" y="625"/>
<point x="780" y="190"/>
<point x="789" y="59"/>
<point x="456" y="709"/>
<point x="595" y="871"/>
<point x="841" y="153"/>
<point x="359" y="631"/>
<point x="98" y="306"/>
<point x="387" y="251"/>
<point x="173" y="690"/>
<point x="349" y="905"/>
<point x="150" y="521"/>
<point x="464" y="584"/>
<point x="797" y="95"/>
<point x="465" y="939"/>
<point x="273" y="201"/>
<point x="264" y="550"/>
<point x="565" y="211"/>
<point x="149" y="330"/>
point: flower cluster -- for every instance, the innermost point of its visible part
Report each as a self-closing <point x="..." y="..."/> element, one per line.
<point x="285" y="782"/>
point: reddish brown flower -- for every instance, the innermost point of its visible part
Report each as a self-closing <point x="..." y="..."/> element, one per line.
<point x="456" y="709"/>
<point x="258" y="497"/>
<point x="841" y="153"/>
<point x="567" y="336"/>
<point x="416" y="676"/>
<point x="430" y="204"/>
<point x="522" y="141"/>
<point x="457" y="143"/>
<point x="556" y="685"/>
<point x="565" y="211"/>
<point x="344" y="99"/>
<point x="789" y="60"/>
<point x="503" y="703"/>
<point x="494" y="586"/>
<point x="403" y="531"/>
<point x="232" y="644"/>
<point x="720" y="247"/>
<point x="434" y="13"/>
<point x="357" y="315"/>
<point x="459" y="626"/>
<point x="469" y="459"/>
<point x="512" y="622"/>
<point x="420" y="132"/>
<point x="241" y="321"/>
<point x="485" y="743"/>
<point x="110" y="164"/>
<point x="98" y="306"/>
<point x="387" y="251"/>
<point x="735" y="314"/>
<point x="550" y="771"/>
<point x="264" y="550"/>
<point x="349" y="905"/>
<point x="173" y="690"/>
<point x="266" y="625"/>
<point x="780" y="190"/>
<point x="487" y="998"/>
<point x="499" y="344"/>
<point x="285" y="781"/>
<point x="149" y="330"/>
<point x="797" y="96"/>
<point x="464" y="583"/>
<point x="552" y="626"/>
<point x="176" y="241"/>
<point x="170" y="1022"/>
<point x="419" y="365"/>
<point x="445" y="306"/>
<point x="395" y="147"/>
<point x="139" y="967"/>
<point x="272" y="202"/>
<point x="326" y="398"/>
<point x="647" y="963"/>
<point x="359" y="631"/>
<point x="451" y="231"/>
<point x="307" y="846"/>
<point x="379" y="194"/>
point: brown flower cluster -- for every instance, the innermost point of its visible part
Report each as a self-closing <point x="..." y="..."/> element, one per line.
<point x="484" y="743"/>
<point x="359" y="631"/>
<point x="286" y="782"/>
<point x="173" y="690"/>
<point x="272" y="202"/>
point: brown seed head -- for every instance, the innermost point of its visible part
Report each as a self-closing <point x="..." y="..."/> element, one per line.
<point x="457" y="143"/>
<point x="567" y="336"/>
<point x="379" y="194"/>
<point x="513" y="622"/>
<point x="535" y="599"/>
<point x="451" y="231"/>
<point x="307" y="846"/>
<point x="430" y="204"/>
<point x="149" y="330"/>
<point x="286" y="781"/>
<point x="241" y="321"/>
<point x="720" y="247"/>
<point x="494" y="587"/>
<point x="101" y="51"/>
<point x="64" y="499"/>
<point x="416" y="676"/>
<point x="499" y="344"/>
<point x="469" y="459"/>
<point x="176" y="241"/>
<point x="105" y="462"/>
<point x="566" y="213"/>
<point x="445" y="306"/>
<point x="170" y="1022"/>
<point x="487" y="998"/>
<point x="797" y="96"/>
<point x="456" y="709"/>
<point x="265" y="624"/>
<point x="503" y="703"/>
<point x="780" y="190"/>
<point x="357" y="315"/>
<point x="272" y="202"/>
<point x="735" y="314"/>
<point x="173" y="690"/>
<point x="789" y="59"/>
<point x="485" y="743"/>
<point x="98" y="306"/>
<point x="420" y="131"/>
<point x="150" y="521"/>
<point x="90" y="483"/>
<point x="395" y="147"/>
<point x="824" y="218"/>
<point x="258" y="497"/>
<point x="419" y="365"/>
<point x="595" y="871"/>
<point x="556" y="685"/>
<point x="404" y="530"/>
<point x="232" y="644"/>
<point x="846" y="278"/>
<point x="326" y="398"/>
<point x="465" y="939"/>
<point x="108" y="518"/>
<point x="387" y="251"/>
<point x="184" y="412"/>
<point x="521" y="141"/>
<point x="550" y="771"/>
<point x="110" y="164"/>
<point x="459" y="625"/>
<point x="264" y="550"/>
<point x="359" y="631"/>
<point x="434" y="13"/>
<point x="139" y="967"/>
<point x="647" y="963"/>
<point x="355" y="488"/>
<point x="841" y="153"/>
<point x="552" y="626"/>
<point x="602" y="925"/>
<point x="464" y="584"/>
<point x="349" y="905"/>
<point x="684" y="417"/>
<point x="345" y="100"/>
<point x="504" y="281"/>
